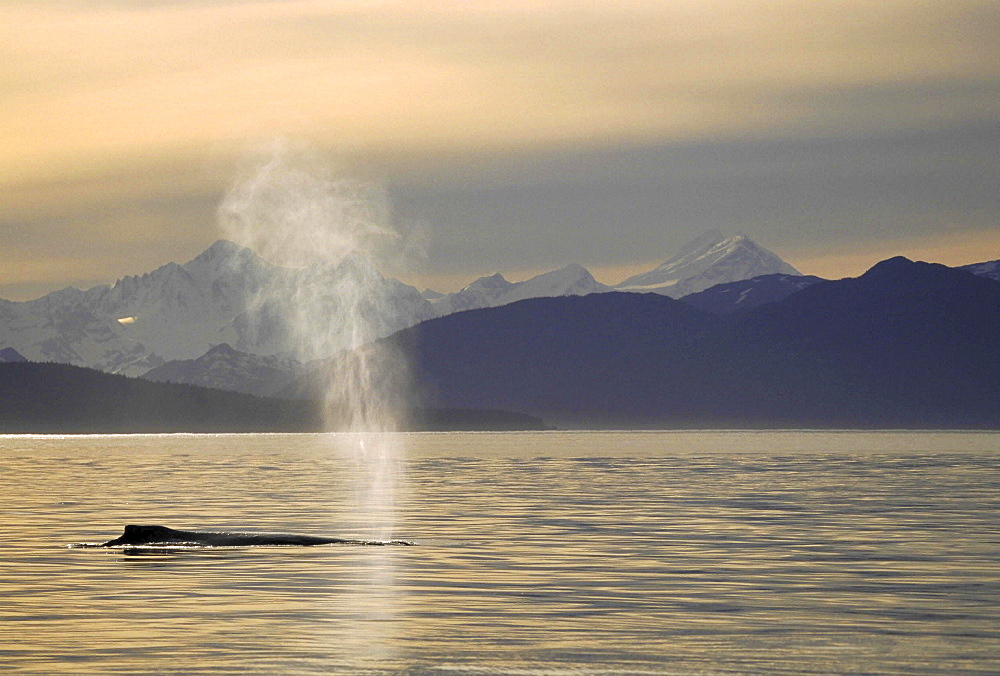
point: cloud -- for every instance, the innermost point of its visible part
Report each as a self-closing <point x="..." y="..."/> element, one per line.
<point x="87" y="80"/>
<point x="119" y="120"/>
<point x="612" y="208"/>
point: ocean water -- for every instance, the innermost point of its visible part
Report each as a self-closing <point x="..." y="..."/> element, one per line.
<point x="537" y="553"/>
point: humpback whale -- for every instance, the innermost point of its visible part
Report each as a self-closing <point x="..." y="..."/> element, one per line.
<point x="163" y="536"/>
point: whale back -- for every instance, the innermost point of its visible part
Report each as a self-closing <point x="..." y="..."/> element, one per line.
<point x="162" y="535"/>
<point x="142" y="534"/>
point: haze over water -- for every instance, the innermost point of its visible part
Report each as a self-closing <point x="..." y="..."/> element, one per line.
<point x="723" y="552"/>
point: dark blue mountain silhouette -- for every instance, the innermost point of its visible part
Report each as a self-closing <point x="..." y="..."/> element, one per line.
<point x="907" y="345"/>
<point x="904" y="345"/>
<point x="47" y="397"/>
<point x="603" y="358"/>
<point x="9" y="354"/>
<point x="723" y="299"/>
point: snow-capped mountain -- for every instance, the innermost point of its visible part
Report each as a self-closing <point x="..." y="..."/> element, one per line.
<point x="227" y="294"/>
<point x="492" y="291"/>
<point x="989" y="269"/>
<point x="224" y="368"/>
<point x="178" y="312"/>
<point x="706" y="261"/>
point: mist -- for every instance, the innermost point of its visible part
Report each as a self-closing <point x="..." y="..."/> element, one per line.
<point x="332" y="234"/>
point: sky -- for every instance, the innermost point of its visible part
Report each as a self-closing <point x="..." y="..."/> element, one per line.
<point x="514" y="136"/>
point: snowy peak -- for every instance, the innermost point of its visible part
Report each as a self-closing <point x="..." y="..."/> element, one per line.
<point x="484" y="292"/>
<point x="571" y="280"/>
<point x="225" y="261"/>
<point x="492" y="291"/>
<point x="222" y="249"/>
<point x="706" y="261"/>
<point x="494" y="282"/>
<point x="178" y="312"/>
<point x="692" y="258"/>
<point x="698" y="246"/>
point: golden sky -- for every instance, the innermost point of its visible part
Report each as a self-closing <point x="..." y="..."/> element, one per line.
<point x="121" y="123"/>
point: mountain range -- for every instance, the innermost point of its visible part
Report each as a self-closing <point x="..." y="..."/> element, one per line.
<point x="907" y="344"/>
<point x="226" y="368"/>
<point x="571" y="280"/>
<point x="704" y="262"/>
<point x="229" y="295"/>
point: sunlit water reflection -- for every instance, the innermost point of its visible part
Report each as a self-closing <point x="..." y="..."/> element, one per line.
<point x="538" y="553"/>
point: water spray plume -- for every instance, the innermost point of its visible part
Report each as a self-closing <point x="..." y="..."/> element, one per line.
<point x="329" y="234"/>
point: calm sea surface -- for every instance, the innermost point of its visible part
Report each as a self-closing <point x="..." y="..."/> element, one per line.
<point x="540" y="553"/>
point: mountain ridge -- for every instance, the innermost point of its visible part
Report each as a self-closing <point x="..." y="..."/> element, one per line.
<point x="904" y="345"/>
<point x="225" y="368"/>
<point x="493" y="290"/>
<point x="61" y="398"/>
<point x="706" y="261"/>
<point x="989" y="269"/>
<point x="743" y="295"/>
<point x="179" y="312"/>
